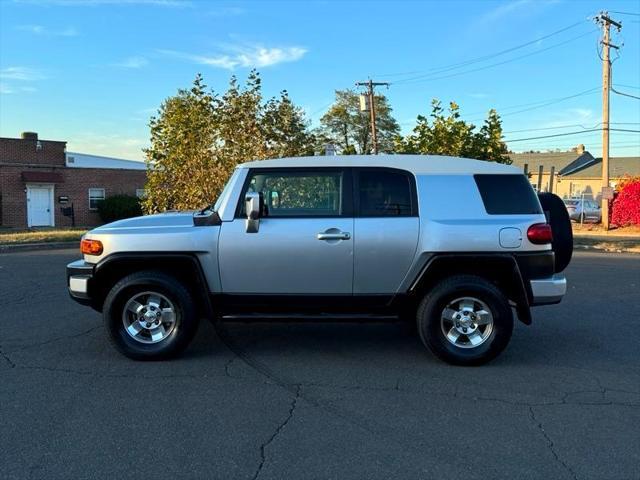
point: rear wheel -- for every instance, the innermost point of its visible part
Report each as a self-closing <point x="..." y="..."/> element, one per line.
<point x="465" y="320"/>
<point x="150" y="316"/>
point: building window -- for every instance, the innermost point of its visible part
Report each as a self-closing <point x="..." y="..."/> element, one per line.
<point x="140" y="193"/>
<point x="95" y="196"/>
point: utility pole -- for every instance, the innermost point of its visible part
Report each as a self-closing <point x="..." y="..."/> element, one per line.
<point x="606" y="22"/>
<point x="372" y="109"/>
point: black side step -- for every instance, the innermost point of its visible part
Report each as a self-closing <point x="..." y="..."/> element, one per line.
<point x="305" y="317"/>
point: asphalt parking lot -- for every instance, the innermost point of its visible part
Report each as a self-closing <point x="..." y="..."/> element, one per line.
<point x="322" y="401"/>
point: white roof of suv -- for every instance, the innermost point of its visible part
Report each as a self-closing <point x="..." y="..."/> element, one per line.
<point x="417" y="164"/>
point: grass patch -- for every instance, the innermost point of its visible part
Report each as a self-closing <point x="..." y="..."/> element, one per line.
<point x="14" y="237"/>
<point x="597" y="229"/>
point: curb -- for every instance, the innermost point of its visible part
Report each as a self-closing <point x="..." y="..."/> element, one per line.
<point x="25" y="247"/>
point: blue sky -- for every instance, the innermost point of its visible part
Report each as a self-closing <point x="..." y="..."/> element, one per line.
<point x="92" y="71"/>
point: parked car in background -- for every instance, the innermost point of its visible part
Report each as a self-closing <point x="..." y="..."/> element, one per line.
<point x="591" y="209"/>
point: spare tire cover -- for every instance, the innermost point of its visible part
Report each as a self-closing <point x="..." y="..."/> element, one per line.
<point x="558" y="218"/>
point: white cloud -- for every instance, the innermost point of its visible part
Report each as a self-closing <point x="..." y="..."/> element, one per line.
<point x="244" y="56"/>
<point x="44" y="31"/>
<point x="95" y="3"/>
<point x="18" y="75"/>
<point x="504" y="10"/>
<point x="511" y="8"/>
<point x="8" y="89"/>
<point x="572" y="116"/>
<point x="25" y="74"/>
<point x="132" y="62"/>
<point x="227" y="12"/>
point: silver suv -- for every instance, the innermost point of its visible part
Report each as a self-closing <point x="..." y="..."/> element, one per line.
<point x="452" y="245"/>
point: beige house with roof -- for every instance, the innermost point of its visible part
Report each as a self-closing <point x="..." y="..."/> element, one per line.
<point x="571" y="174"/>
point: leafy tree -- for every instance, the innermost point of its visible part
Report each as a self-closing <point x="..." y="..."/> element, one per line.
<point x="349" y="129"/>
<point x="447" y="134"/>
<point x="199" y="137"/>
<point x="285" y="129"/>
<point x="183" y="170"/>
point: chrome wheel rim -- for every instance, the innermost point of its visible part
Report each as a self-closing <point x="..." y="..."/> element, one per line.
<point x="466" y="322"/>
<point x="149" y="317"/>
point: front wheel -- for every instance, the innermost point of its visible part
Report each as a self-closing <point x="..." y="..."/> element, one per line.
<point x="465" y="320"/>
<point x="150" y="316"/>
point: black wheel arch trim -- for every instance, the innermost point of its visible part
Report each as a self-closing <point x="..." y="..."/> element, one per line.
<point x="141" y="261"/>
<point x="503" y="264"/>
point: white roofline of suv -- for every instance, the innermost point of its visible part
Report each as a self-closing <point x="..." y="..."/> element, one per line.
<point x="416" y="164"/>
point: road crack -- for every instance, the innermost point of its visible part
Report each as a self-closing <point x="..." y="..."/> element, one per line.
<point x="7" y="359"/>
<point x="550" y="444"/>
<point x="278" y="430"/>
<point x="56" y="339"/>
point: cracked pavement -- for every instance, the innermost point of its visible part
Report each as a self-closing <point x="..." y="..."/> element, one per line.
<point x="273" y="401"/>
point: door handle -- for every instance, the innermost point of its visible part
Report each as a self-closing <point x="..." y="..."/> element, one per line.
<point x="334" y="236"/>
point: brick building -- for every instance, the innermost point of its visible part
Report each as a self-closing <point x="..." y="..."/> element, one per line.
<point x="40" y="180"/>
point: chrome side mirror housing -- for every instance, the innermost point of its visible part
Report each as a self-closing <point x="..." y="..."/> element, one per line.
<point x="254" y="206"/>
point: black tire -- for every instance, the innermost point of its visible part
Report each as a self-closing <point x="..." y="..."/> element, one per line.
<point x="433" y="305"/>
<point x="186" y="318"/>
<point x="558" y="217"/>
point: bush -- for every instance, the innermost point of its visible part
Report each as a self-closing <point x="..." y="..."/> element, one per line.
<point x="118" y="207"/>
<point x="625" y="208"/>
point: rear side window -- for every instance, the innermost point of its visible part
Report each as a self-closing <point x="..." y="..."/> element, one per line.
<point x="507" y="195"/>
<point x="384" y="194"/>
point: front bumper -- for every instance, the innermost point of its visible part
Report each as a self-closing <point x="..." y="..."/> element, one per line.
<point x="79" y="275"/>
<point x="547" y="291"/>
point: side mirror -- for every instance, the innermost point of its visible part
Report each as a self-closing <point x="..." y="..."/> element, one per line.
<point x="254" y="206"/>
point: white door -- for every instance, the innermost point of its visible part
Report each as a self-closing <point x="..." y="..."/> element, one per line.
<point x="39" y="207"/>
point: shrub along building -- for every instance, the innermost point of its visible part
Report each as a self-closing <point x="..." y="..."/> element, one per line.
<point x="42" y="185"/>
<point x="574" y="173"/>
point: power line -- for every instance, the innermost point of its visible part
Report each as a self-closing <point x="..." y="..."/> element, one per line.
<point x="627" y="13"/>
<point x="570" y="133"/>
<point x="624" y="94"/>
<point x="538" y="102"/>
<point x="452" y="66"/>
<point x="430" y="77"/>
<point x="591" y="91"/>
<point x="570" y="126"/>
<point x="627" y="86"/>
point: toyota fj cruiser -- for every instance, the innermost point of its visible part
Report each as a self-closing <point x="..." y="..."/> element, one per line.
<point x="455" y="245"/>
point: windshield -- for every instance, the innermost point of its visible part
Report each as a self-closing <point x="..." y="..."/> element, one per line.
<point x="571" y="202"/>
<point x="225" y="190"/>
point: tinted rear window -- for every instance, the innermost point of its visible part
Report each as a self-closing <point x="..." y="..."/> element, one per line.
<point x="507" y="194"/>
<point x="384" y="194"/>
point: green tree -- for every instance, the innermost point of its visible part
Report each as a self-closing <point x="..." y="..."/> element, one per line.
<point x="447" y="134"/>
<point x="199" y="137"/>
<point x="285" y="129"/>
<point x="349" y="129"/>
<point x="182" y="167"/>
<point x="492" y="147"/>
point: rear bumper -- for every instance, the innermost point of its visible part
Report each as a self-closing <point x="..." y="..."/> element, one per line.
<point x="79" y="275"/>
<point x="547" y="291"/>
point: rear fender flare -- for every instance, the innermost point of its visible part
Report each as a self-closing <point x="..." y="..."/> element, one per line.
<point x="501" y="269"/>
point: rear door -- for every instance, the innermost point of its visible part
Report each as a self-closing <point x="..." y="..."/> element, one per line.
<point x="304" y="244"/>
<point x="386" y="229"/>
